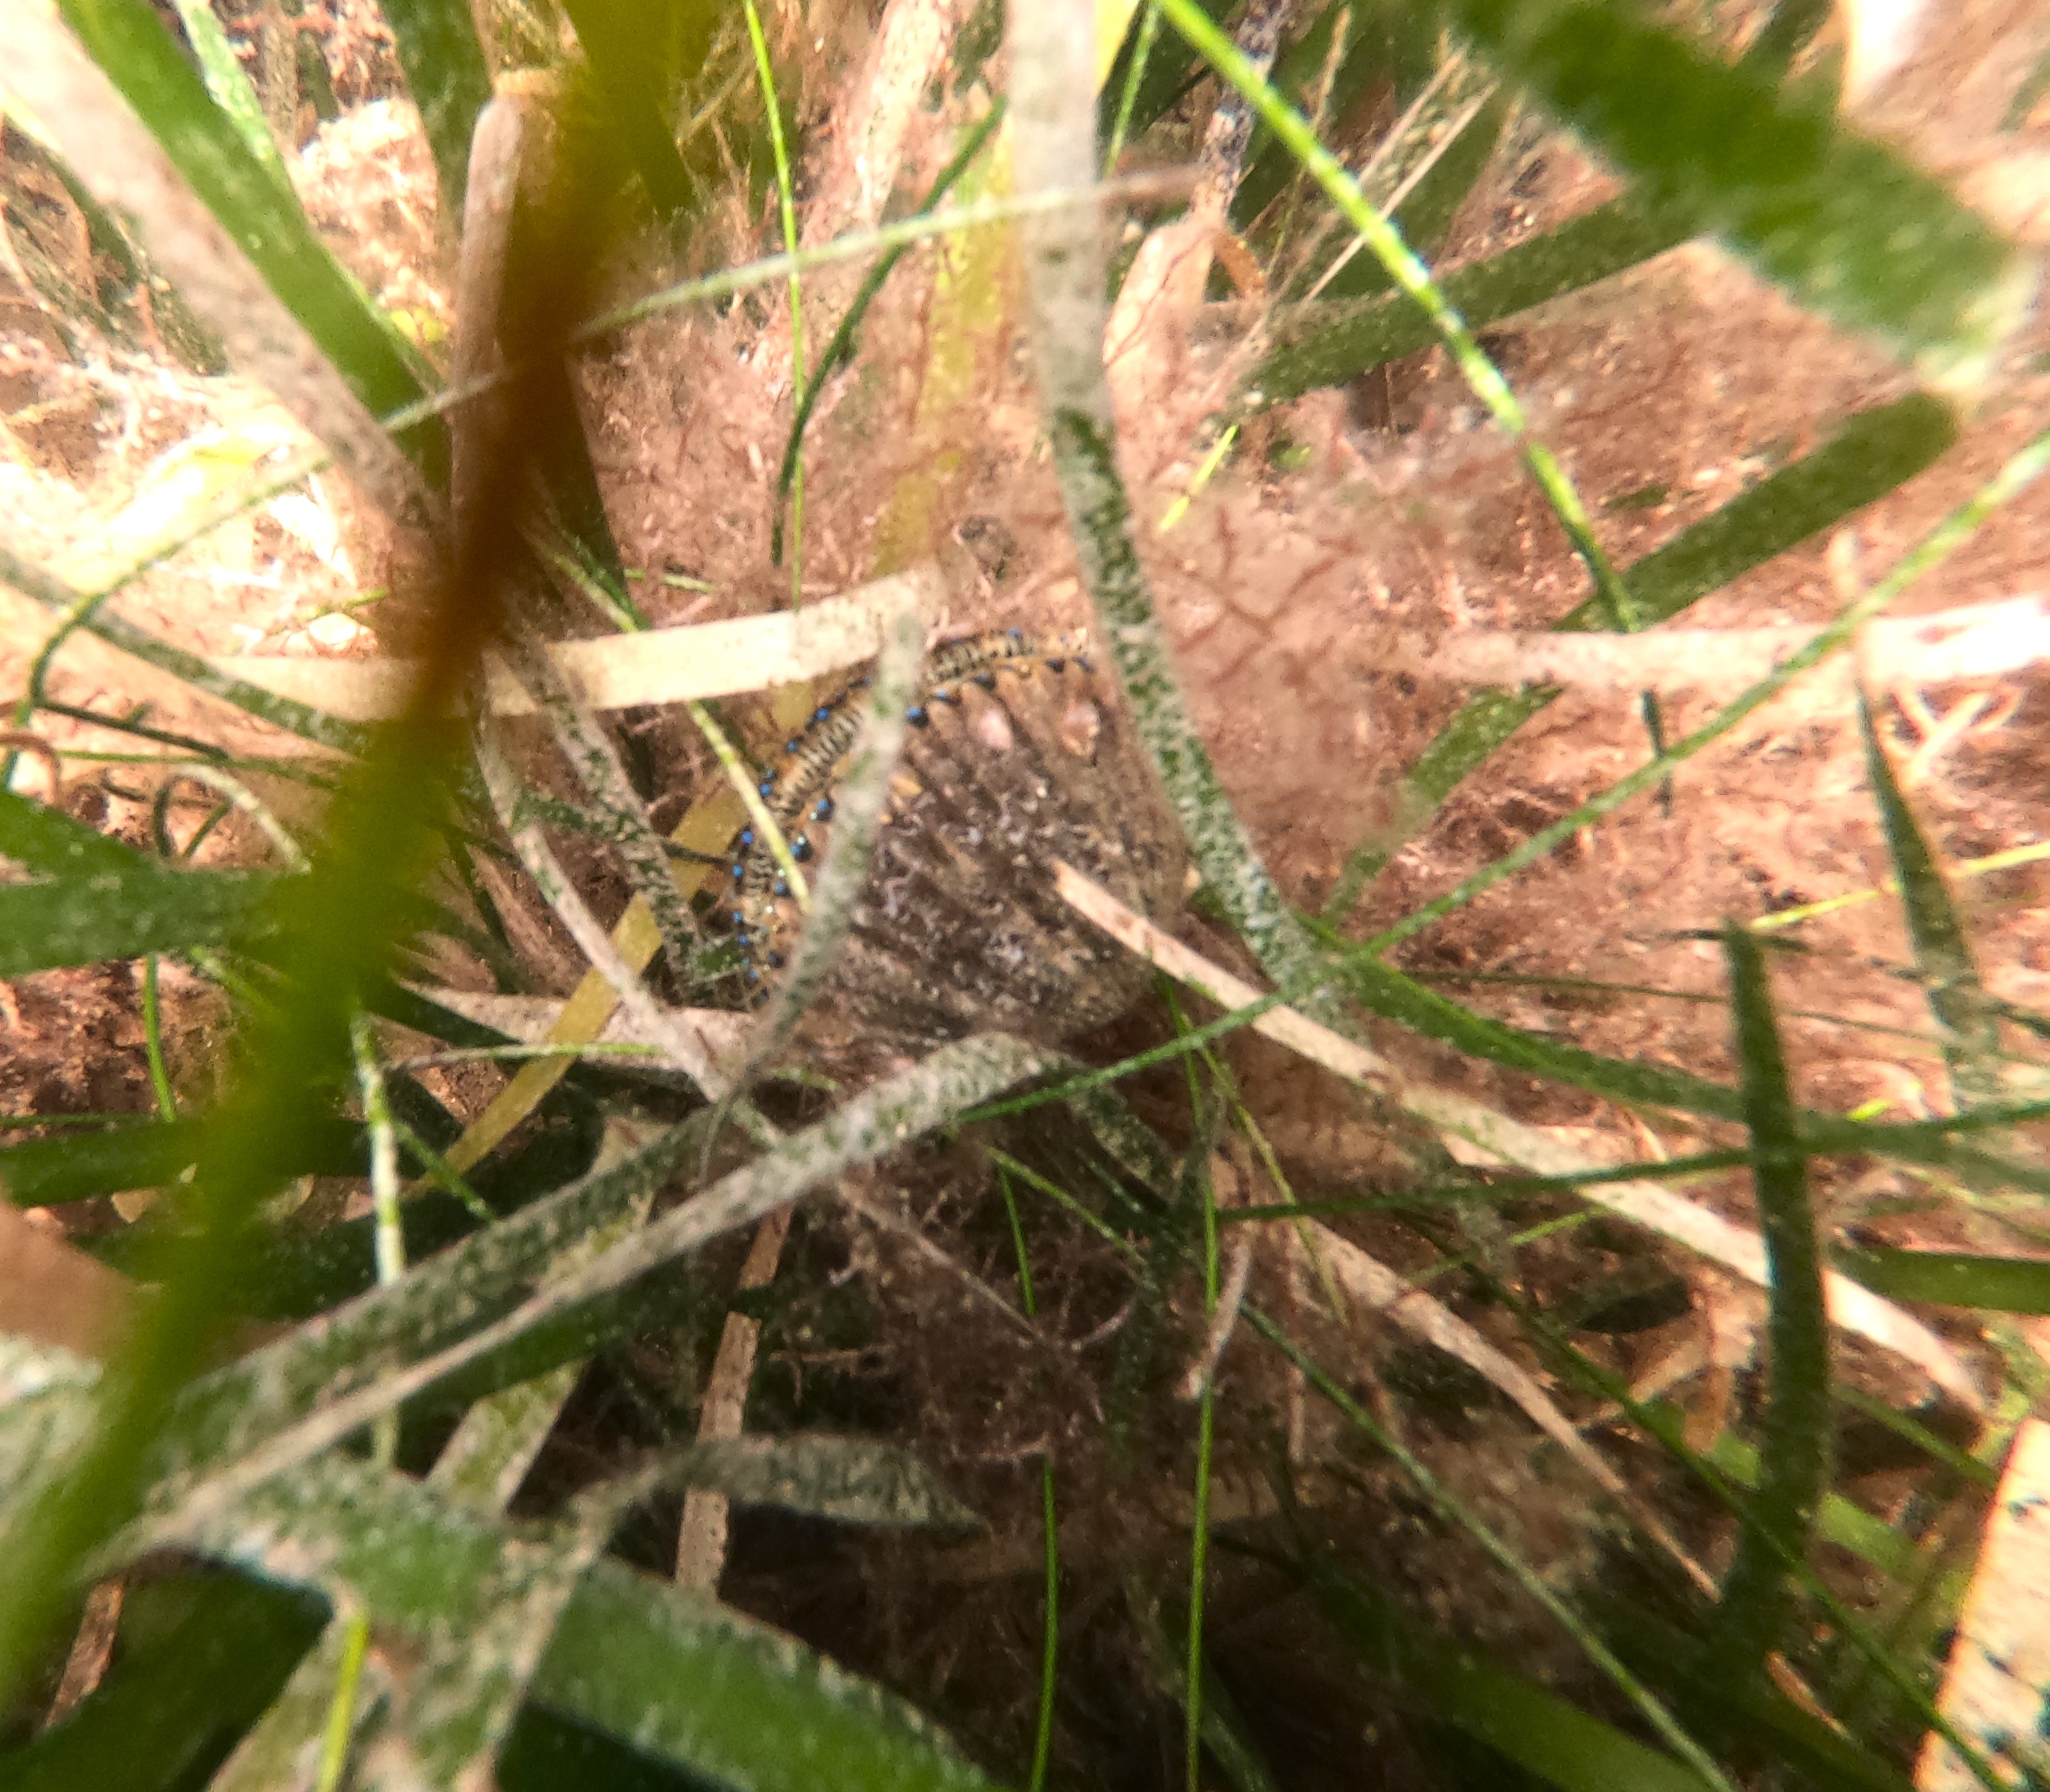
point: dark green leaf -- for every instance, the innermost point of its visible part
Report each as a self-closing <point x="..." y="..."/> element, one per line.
<point x="1952" y="1278"/>
<point x="86" y="920"/>
<point x="614" y="38"/>
<point x="1394" y="43"/>
<point x="547" y="1752"/>
<point x="46" y="1172"/>
<point x="1848" y="225"/>
<point x="1328" y="343"/>
<point x="1170" y="66"/>
<point x="1785" y="34"/>
<point x="1537" y="1730"/>
<point x="1971" y="1044"/>
<point x="198" y="1664"/>
<point x="1427" y="213"/>
<point x="231" y="1410"/>
<point x="39" y="838"/>
<point x="678" y="1676"/>
<point x="445" y="68"/>
<point x="1793" y="1450"/>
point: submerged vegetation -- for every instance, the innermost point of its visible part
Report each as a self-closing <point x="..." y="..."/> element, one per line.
<point x="647" y="1217"/>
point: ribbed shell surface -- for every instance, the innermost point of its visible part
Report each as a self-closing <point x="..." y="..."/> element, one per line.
<point x="1019" y="755"/>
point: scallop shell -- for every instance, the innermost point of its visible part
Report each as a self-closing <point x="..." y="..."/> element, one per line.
<point x="1019" y="754"/>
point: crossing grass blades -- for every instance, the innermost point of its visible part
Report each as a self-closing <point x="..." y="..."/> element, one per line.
<point x="946" y="1350"/>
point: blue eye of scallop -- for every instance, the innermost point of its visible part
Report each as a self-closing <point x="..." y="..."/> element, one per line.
<point x="739" y="871"/>
<point x="1016" y="634"/>
<point x="944" y="697"/>
<point x="987" y="680"/>
<point x="792" y="745"/>
<point x="916" y="715"/>
<point x="766" y="787"/>
<point x="822" y="810"/>
<point x="821" y="713"/>
<point x="747" y="836"/>
<point x="782" y="888"/>
<point x="775" y="961"/>
<point x="801" y="848"/>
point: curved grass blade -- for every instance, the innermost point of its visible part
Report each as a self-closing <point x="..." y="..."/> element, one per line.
<point x="696" y="1683"/>
<point x="931" y="1094"/>
<point x="855" y="1480"/>
<point x="1952" y="1278"/>
<point x="1942" y="952"/>
<point x="48" y="1172"/>
<point x="1064" y="278"/>
<point x="1794" y="1448"/>
<point x="1329" y="342"/>
<point x="1648" y="1705"/>
<point x="2016" y="474"/>
<point x="84" y="610"/>
<point x="1537" y="1729"/>
<point x="445" y="68"/>
<point x="86" y="921"/>
<point x="1871" y="454"/>
<point x="132" y="45"/>
<point x="1851" y="229"/>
